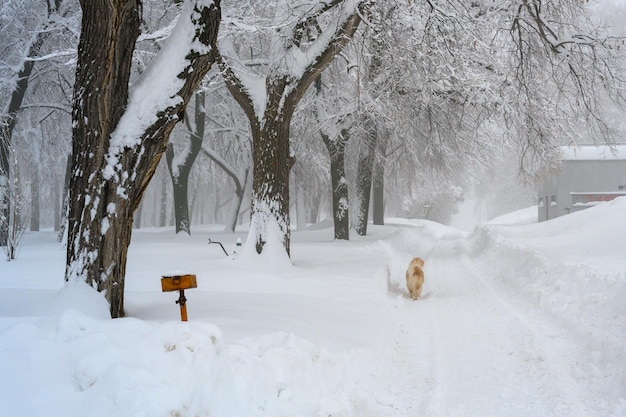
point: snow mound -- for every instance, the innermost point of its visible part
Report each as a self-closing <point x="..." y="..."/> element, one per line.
<point x="79" y="296"/>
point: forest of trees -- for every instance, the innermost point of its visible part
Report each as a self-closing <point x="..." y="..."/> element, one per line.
<point x="284" y="113"/>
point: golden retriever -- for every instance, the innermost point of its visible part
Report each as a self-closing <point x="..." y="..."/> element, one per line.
<point x="415" y="278"/>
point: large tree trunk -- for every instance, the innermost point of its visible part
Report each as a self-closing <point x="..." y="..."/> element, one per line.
<point x="4" y="187"/>
<point x="271" y="157"/>
<point x="270" y="173"/>
<point x="180" y="173"/>
<point x="100" y="217"/>
<point x="109" y="176"/>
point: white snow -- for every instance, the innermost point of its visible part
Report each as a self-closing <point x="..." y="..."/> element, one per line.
<point x="517" y="318"/>
<point x="254" y="84"/>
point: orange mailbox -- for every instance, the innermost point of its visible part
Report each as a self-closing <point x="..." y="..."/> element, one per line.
<point x="179" y="283"/>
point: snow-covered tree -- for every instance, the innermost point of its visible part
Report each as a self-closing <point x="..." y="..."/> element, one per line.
<point x="14" y="217"/>
<point x="310" y="174"/>
<point x="563" y="70"/>
<point x="270" y="54"/>
<point x="25" y="28"/>
<point x="229" y="150"/>
<point x="334" y="113"/>
<point x="238" y="175"/>
<point x="180" y="163"/>
<point x="426" y="92"/>
<point x="458" y="80"/>
<point x="121" y="131"/>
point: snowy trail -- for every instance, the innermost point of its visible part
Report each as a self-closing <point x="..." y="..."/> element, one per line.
<point x="466" y="350"/>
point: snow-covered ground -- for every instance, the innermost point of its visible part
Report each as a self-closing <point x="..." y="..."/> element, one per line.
<point x="517" y="319"/>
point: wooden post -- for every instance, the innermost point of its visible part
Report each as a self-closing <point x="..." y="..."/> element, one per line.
<point x="182" y="301"/>
<point x="179" y="283"/>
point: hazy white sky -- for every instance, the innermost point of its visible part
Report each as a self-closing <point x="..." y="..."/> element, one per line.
<point x="614" y="13"/>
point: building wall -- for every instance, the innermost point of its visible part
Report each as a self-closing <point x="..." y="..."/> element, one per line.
<point x="582" y="176"/>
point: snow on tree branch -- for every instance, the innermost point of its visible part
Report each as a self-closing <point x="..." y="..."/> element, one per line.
<point x="295" y="43"/>
<point x="169" y="71"/>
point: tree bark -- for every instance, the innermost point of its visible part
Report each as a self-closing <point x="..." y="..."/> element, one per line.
<point x="272" y="164"/>
<point x="108" y="179"/>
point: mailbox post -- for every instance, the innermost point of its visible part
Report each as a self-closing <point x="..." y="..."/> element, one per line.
<point x="179" y="283"/>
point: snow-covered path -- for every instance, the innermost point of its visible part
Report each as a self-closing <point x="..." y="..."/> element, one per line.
<point x="471" y="346"/>
<point x="472" y="353"/>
